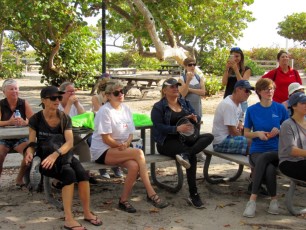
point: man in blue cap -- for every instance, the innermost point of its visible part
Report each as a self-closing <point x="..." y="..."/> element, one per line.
<point x="227" y="124"/>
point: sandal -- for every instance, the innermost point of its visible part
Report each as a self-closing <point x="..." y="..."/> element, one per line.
<point x="95" y="221"/>
<point x="126" y="206"/>
<point x="74" y="227"/>
<point x="156" y="201"/>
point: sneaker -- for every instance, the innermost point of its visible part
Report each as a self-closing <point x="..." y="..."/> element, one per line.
<point x="273" y="207"/>
<point x="250" y="209"/>
<point x="104" y="174"/>
<point x="195" y="201"/>
<point x="126" y="206"/>
<point x="35" y="175"/>
<point x="157" y="202"/>
<point x="117" y="172"/>
<point x="183" y="160"/>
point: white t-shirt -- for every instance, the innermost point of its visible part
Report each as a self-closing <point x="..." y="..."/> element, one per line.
<point x="73" y="110"/>
<point x="226" y="114"/>
<point x="194" y="80"/>
<point x="118" y="123"/>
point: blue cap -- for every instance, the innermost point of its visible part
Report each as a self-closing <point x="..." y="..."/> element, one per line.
<point x="243" y="84"/>
<point x="296" y="98"/>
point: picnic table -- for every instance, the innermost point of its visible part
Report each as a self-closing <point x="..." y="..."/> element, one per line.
<point x="120" y="71"/>
<point x="170" y="68"/>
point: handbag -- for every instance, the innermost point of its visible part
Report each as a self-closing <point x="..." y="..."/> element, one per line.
<point x="190" y="137"/>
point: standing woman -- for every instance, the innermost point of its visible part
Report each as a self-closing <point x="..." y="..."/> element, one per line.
<point x="292" y="141"/>
<point x="235" y="70"/>
<point x="48" y="123"/>
<point x="262" y="125"/>
<point x="111" y="142"/>
<point x="165" y="115"/>
<point x="8" y="107"/>
<point x="192" y="85"/>
<point x="283" y="76"/>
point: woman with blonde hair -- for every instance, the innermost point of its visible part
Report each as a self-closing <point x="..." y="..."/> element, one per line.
<point x="111" y="142"/>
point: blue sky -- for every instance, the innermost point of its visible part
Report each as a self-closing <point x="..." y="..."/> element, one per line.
<point x="263" y="31"/>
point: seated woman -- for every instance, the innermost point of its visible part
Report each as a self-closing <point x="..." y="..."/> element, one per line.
<point x="165" y="115"/>
<point x="111" y="145"/>
<point x="8" y="106"/>
<point x="292" y="139"/>
<point x="46" y="124"/>
<point x="262" y="125"/>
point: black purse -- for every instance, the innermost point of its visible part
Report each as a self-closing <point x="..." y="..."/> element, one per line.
<point x="190" y="137"/>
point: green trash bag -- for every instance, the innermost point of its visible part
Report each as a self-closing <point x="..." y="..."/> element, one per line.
<point x="141" y="120"/>
<point x="84" y="120"/>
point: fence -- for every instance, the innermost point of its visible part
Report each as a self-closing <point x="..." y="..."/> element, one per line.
<point x="268" y="64"/>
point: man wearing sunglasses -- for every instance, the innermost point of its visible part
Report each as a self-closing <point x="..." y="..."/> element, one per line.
<point x="227" y="124"/>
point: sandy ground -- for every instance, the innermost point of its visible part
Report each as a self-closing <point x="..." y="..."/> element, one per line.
<point x="225" y="203"/>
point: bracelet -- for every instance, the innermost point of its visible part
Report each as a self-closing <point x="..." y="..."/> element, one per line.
<point x="59" y="152"/>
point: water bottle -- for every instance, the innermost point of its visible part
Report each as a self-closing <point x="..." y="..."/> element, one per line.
<point x="139" y="144"/>
<point x="17" y="114"/>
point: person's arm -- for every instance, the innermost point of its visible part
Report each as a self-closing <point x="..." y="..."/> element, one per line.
<point x="157" y="117"/>
<point x="11" y="121"/>
<point x="247" y="74"/>
<point x="298" y="77"/>
<point x="226" y="73"/>
<point x="28" y="112"/>
<point x="234" y="131"/>
<point x="95" y="103"/>
<point x="201" y="91"/>
<point x="30" y="150"/>
<point x="260" y="134"/>
<point x="184" y="88"/>
<point x="298" y="152"/>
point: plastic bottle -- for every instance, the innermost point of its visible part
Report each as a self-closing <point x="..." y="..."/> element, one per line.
<point x="17" y="114"/>
<point x="139" y="144"/>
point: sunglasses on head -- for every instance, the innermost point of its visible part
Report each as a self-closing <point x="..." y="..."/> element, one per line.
<point x="235" y="49"/>
<point x="191" y="64"/>
<point x="117" y="92"/>
<point x="53" y="98"/>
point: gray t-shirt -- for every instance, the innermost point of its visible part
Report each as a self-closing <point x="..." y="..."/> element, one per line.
<point x="291" y="134"/>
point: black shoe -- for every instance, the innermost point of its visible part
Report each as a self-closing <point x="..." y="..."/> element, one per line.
<point x="126" y="206"/>
<point x="92" y="180"/>
<point x="57" y="185"/>
<point x="183" y="160"/>
<point x="195" y="201"/>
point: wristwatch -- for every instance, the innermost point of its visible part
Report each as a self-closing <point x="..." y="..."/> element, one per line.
<point x="59" y="152"/>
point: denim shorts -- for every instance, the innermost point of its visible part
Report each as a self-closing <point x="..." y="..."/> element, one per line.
<point x="12" y="143"/>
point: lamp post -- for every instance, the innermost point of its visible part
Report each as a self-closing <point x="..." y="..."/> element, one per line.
<point x="103" y="38"/>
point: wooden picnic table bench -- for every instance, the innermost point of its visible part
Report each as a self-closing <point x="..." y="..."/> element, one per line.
<point x="120" y="71"/>
<point x="170" y="68"/>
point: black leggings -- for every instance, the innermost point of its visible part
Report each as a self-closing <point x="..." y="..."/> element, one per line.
<point x="295" y="170"/>
<point x="173" y="146"/>
<point x="68" y="173"/>
<point x="265" y="165"/>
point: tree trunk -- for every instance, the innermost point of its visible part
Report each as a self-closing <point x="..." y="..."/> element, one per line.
<point x="1" y="43"/>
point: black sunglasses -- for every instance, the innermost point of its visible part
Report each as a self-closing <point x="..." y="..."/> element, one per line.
<point x="247" y="91"/>
<point x="53" y="98"/>
<point x="192" y="64"/>
<point x="117" y="92"/>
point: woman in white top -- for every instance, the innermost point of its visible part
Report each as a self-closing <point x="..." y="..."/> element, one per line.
<point x="111" y="145"/>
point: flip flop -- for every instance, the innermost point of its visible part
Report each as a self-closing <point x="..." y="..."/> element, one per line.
<point x="73" y="227"/>
<point x="21" y="186"/>
<point x="95" y="222"/>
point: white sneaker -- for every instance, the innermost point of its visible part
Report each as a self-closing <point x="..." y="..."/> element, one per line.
<point x="183" y="160"/>
<point x="250" y="209"/>
<point x="273" y="207"/>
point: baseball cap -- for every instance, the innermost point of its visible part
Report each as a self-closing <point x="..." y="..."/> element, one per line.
<point x="294" y="87"/>
<point x="296" y="98"/>
<point x="170" y="81"/>
<point x="244" y="84"/>
<point x="49" y="91"/>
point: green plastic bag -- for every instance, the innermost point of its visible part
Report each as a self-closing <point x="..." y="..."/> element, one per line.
<point x="84" y="120"/>
<point x="141" y="120"/>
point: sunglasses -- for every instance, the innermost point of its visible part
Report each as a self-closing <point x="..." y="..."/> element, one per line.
<point x="191" y="64"/>
<point x="235" y="49"/>
<point x="248" y="91"/>
<point x="53" y="98"/>
<point x="117" y="92"/>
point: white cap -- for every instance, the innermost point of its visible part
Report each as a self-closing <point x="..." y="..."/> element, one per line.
<point x="294" y="87"/>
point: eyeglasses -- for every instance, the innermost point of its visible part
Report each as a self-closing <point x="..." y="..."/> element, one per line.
<point x="268" y="90"/>
<point x="53" y="98"/>
<point x="248" y="91"/>
<point x="191" y="64"/>
<point x="117" y="92"/>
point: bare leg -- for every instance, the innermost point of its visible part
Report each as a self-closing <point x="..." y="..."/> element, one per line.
<point x="23" y="166"/>
<point x="130" y="179"/>
<point x="3" y="152"/>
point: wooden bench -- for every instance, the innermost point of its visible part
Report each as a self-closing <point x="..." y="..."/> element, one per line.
<point x="241" y="160"/>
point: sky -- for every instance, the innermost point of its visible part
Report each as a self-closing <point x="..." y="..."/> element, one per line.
<point x="263" y="31"/>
